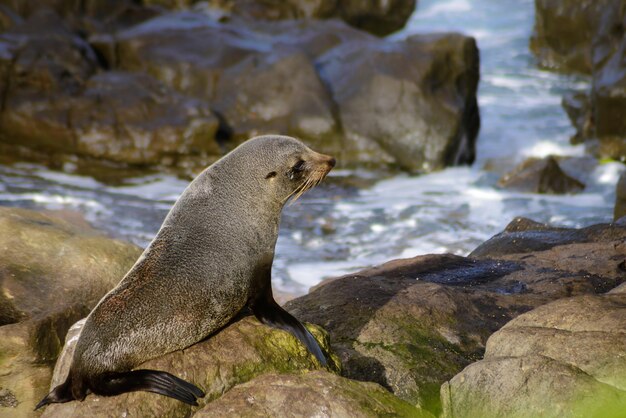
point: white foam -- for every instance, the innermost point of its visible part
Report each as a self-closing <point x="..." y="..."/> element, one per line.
<point x="443" y="7"/>
<point x="545" y="148"/>
<point x="608" y="173"/>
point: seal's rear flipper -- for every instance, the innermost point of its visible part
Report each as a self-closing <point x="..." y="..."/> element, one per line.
<point x="60" y="394"/>
<point x="154" y="381"/>
<point x="270" y="313"/>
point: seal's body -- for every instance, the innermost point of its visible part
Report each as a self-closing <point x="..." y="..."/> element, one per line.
<point x="211" y="258"/>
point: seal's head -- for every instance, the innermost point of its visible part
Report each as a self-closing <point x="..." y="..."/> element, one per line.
<point x="285" y="165"/>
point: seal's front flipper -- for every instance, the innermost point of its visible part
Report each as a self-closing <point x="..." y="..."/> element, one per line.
<point x="154" y="381"/>
<point x="270" y="313"/>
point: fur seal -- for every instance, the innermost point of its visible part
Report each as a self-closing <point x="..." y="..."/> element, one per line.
<point x="211" y="258"/>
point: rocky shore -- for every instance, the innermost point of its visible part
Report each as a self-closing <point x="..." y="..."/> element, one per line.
<point x="154" y="85"/>
<point x="531" y="323"/>
<point x="537" y="312"/>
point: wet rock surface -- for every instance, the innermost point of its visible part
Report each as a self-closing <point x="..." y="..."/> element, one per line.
<point x="182" y="88"/>
<point x="378" y="17"/>
<point x="52" y="273"/>
<point x="56" y="100"/>
<point x="385" y="98"/>
<point x="565" y="358"/>
<point x="588" y="37"/>
<point x="540" y="176"/>
<point x="412" y="324"/>
<point x="566" y="32"/>
<point x="620" y="198"/>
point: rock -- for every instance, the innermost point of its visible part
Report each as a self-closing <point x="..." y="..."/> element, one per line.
<point x="8" y="18"/>
<point x="433" y="126"/>
<point x="378" y="17"/>
<point x="620" y="197"/>
<point x="577" y="105"/>
<point x="567" y="358"/>
<point x="276" y="92"/>
<point x="608" y="97"/>
<point x="410" y="323"/>
<point x="540" y="176"/>
<point x="523" y="236"/>
<point x="565" y="31"/>
<point x="588" y="37"/>
<point x="133" y="118"/>
<point x="280" y="93"/>
<point x="236" y="354"/>
<point x="311" y="394"/>
<point x="57" y="102"/>
<point x="52" y="273"/>
<point x="314" y="38"/>
<point x="413" y="102"/>
<point x="86" y="17"/>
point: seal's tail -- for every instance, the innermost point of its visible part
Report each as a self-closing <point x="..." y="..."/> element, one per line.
<point x="154" y="381"/>
<point x="270" y="313"/>
<point x="113" y="384"/>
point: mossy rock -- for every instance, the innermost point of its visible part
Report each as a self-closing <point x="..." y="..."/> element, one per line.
<point x="317" y="393"/>
<point x="238" y="353"/>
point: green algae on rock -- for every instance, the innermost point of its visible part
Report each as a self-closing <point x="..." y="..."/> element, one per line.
<point x="236" y="354"/>
<point x="316" y="393"/>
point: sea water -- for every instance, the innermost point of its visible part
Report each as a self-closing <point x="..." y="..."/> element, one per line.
<point x="335" y="230"/>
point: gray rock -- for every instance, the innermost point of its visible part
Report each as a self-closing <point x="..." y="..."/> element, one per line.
<point x="261" y="78"/>
<point x="565" y="31"/>
<point x="540" y="176"/>
<point x="588" y="37"/>
<point x="375" y="16"/>
<point x="311" y="394"/>
<point x="396" y="102"/>
<point x="564" y="359"/>
<point x="58" y="102"/>
<point x="620" y="197"/>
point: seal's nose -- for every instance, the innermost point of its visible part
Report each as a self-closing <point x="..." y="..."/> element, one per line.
<point x="332" y="162"/>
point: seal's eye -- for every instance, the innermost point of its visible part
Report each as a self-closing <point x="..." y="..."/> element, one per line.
<point x="270" y="175"/>
<point x="299" y="166"/>
<point x="296" y="170"/>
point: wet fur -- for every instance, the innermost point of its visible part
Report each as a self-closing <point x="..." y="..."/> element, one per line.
<point x="211" y="258"/>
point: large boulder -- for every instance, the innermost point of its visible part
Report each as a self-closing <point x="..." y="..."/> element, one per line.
<point x="412" y="102"/>
<point x="608" y="98"/>
<point x="588" y="37"/>
<point x="412" y="324"/>
<point x="253" y="88"/>
<point x="311" y="394"/>
<point x="566" y="32"/>
<point x="564" y="359"/>
<point x="52" y="273"/>
<point x="409" y="103"/>
<point x="238" y="353"/>
<point x="380" y="17"/>
<point x="88" y="16"/>
<point x="56" y="101"/>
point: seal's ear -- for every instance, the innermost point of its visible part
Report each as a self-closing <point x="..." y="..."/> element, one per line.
<point x="270" y="175"/>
